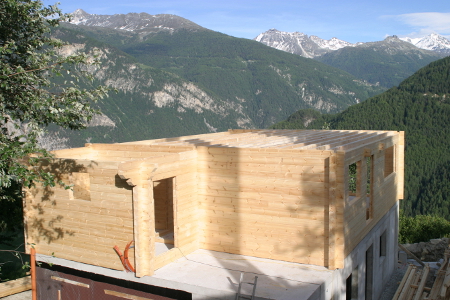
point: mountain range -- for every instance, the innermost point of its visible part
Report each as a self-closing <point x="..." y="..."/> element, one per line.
<point x="433" y="42"/>
<point x="313" y="46"/>
<point x="136" y="22"/>
<point x="385" y="63"/>
<point x="175" y="78"/>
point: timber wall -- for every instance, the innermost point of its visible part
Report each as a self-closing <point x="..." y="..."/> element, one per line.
<point x="182" y="167"/>
<point x="386" y="190"/>
<point x="82" y="230"/>
<point x="265" y="203"/>
<point x="284" y="204"/>
<point x="84" y="223"/>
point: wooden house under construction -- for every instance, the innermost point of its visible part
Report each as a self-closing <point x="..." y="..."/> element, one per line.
<point x="320" y="199"/>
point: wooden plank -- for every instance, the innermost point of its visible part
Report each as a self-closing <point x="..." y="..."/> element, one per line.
<point x="124" y="295"/>
<point x="423" y="281"/>
<point x="15" y="286"/>
<point x="400" y="163"/>
<point x="329" y="141"/>
<point x="107" y="260"/>
<point x="144" y="229"/>
<point x="371" y="144"/>
<point x="409" y="272"/>
<point x="289" y="213"/>
<point x="72" y="282"/>
<point x="295" y="139"/>
<point x="259" y="201"/>
<point x="313" y="193"/>
<point x="74" y="152"/>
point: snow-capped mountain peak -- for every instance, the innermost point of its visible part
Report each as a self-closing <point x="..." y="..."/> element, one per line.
<point x="79" y="16"/>
<point x="138" y="22"/>
<point x="300" y="43"/>
<point x="434" y="42"/>
<point x="332" y="44"/>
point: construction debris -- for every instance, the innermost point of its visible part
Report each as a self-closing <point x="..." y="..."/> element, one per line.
<point x="414" y="283"/>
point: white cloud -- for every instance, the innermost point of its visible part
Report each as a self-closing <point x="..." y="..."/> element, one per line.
<point x="427" y="22"/>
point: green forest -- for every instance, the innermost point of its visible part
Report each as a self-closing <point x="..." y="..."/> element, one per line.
<point x="380" y="62"/>
<point x="420" y="106"/>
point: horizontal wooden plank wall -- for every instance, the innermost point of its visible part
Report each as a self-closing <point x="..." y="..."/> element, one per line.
<point x="288" y="203"/>
<point x="86" y="231"/>
<point x="76" y="153"/>
<point x="81" y="230"/>
<point x="182" y="168"/>
<point x="385" y="189"/>
<point x="264" y="203"/>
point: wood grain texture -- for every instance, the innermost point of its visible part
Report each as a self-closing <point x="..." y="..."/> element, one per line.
<point x="279" y="194"/>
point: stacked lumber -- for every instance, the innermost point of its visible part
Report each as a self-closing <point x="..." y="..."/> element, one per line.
<point x="440" y="289"/>
<point x="412" y="287"/>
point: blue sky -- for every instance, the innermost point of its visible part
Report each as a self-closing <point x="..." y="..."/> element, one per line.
<point x="352" y="21"/>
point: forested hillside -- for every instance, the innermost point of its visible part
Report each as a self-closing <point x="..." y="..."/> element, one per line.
<point x="148" y="102"/>
<point x="386" y="62"/>
<point x="420" y="106"/>
<point x="196" y="81"/>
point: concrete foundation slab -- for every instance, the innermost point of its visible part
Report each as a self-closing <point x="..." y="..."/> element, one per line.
<point x="215" y="275"/>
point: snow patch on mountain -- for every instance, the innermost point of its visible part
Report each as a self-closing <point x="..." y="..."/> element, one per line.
<point x="300" y="43"/>
<point x="433" y="42"/>
<point x="136" y="22"/>
<point x="332" y="44"/>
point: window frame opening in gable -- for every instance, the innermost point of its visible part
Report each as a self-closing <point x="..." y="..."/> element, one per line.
<point x="81" y="186"/>
<point x="354" y="180"/>
<point x="389" y="161"/>
<point x="369" y="186"/>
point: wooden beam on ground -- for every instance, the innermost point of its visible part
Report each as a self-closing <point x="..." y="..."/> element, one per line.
<point x="423" y="281"/>
<point x="412" y="255"/>
<point x="15" y="286"/>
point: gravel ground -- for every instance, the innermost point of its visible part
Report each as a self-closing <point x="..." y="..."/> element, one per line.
<point x="394" y="281"/>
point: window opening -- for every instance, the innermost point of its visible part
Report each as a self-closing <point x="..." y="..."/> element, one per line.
<point x="389" y="161"/>
<point x="352" y="285"/>
<point x="383" y="246"/>
<point x="354" y="180"/>
<point x="369" y="273"/>
<point x="369" y="187"/>
<point x="81" y="186"/>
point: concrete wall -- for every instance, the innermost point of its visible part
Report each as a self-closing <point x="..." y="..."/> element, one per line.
<point x="383" y="266"/>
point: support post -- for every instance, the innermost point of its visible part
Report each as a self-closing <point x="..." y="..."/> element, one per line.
<point x="144" y="228"/>
<point x="33" y="273"/>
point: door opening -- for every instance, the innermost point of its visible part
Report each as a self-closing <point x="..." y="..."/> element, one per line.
<point x="369" y="273"/>
<point x="164" y="214"/>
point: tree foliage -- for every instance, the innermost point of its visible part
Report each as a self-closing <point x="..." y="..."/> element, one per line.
<point x="30" y="100"/>
<point x="419" y="106"/>
<point x="422" y="228"/>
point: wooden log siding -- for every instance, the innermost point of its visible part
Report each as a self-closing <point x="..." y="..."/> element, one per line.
<point x="385" y="189"/>
<point x="247" y="210"/>
<point x="280" y="194"/>
<point x="80" y="230"/>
